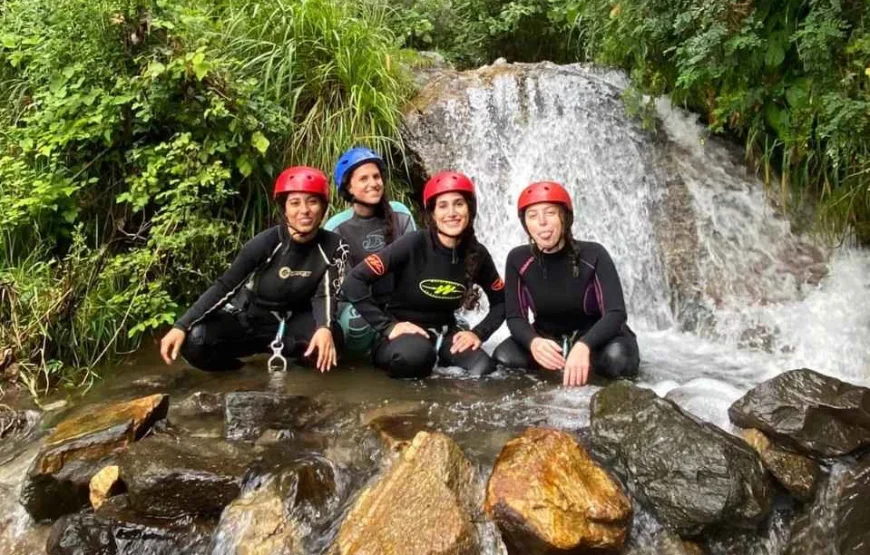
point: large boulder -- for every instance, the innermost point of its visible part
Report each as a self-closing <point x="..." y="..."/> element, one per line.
<point x="279" y="515"/>
<point x="115" y="530"/>
<point x="796" y="473"/>
<point x="814" y="413"/>
<point x="838" y="522"/>
<point x="250" y="413"/>
<point x="422" y="505"/>
<point x="168" y="478"/>
<point x="547" y="495"/>
<point x="691" y="474"/>
<point x="398" y="423"/>
<point x="58" y="481"/>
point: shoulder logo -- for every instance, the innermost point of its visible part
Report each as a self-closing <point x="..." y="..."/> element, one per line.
<point x="497" y="285"/>
<point x="375" y="264"/>
<point x="442" y="289"/>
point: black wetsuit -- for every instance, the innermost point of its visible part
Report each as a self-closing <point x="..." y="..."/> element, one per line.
<point x="272" y="277"/>
<point x="428" y="288"/>
<point x="572" y="300"/>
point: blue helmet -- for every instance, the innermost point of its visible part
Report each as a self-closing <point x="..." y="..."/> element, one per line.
<point x="353" y="158"/>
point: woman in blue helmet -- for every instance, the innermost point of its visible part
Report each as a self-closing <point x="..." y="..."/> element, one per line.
<point x="371" y="223"/>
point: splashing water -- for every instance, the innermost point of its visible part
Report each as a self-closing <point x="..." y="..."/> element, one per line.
<point x="759" y="299"/>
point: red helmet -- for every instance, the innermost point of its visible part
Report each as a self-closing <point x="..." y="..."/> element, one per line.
<point x="446" y="182"/>
<point x="302" y="179"/>
<point x="544" y="191"/>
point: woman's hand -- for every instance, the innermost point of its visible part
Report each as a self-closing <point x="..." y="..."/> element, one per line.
<point x="577" y="366"/>
<point x="322" y="342"/>
<point x="547" y="353"/>
<point x="464" y="340"/>
<point x="171" y="344"/>
<point x="406" y="327"/>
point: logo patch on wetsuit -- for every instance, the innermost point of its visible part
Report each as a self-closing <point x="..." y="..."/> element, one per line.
<point x="442" y="289"/>
<point x="286" y="272"/>
<point x="497" y="285"/>
<point x="374" y="242"/>
<point x="375" y="264"/>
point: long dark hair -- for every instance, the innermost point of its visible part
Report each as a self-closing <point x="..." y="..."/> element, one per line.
<point x="468" y="240"/>
<point x="567" y="218"/>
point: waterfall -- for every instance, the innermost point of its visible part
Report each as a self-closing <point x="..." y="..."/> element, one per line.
<point x="720" y="290"/>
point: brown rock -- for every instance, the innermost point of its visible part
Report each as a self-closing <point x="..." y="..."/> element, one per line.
<point x="105" y="484"/>
<point x="420" y="506"/>
<point x="58" y="482"/>
<point x="547" y="495"/>
<point x="255" y="525"/>
<point x="398" y="423"/>
<point x="72" y="438"/>
<point x="797" y="473"/>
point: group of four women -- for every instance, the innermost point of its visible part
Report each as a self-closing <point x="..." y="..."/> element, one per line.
<point x="370" y="281"/>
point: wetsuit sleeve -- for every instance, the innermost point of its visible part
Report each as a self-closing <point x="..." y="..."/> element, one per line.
<point x="516" y="311"/>
<point x="607" y="286"/>
<point x="253" y="254"/>
<point x="492" y="284"/>
<point x="357" y="285"/>
<point x="324" y="303"/>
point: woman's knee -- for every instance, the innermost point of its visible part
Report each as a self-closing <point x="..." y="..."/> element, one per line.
<point x="617" y="360"/>
<point x="407" y="356"/>
<point x="510" y="354"/>
<point x="202" y="353"/>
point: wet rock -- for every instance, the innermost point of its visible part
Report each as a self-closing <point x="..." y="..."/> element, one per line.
<point x="547" y="495"/>
<point x="115" y="530"/>
<point x="798" y="474"/>
<point x="105" y="484"/>
<point x="398" y="423"/>
<point x="250" y="413"/>
<point x="200" y="403"/>
<point x="166" y="477"/>
<point x="691" y="474"/>
<point x="255" y="524"/>
<point x="58" y="482"/>
<point x="817" y="414"/>
<point x="838" y="521"/>
<point x="279" y="515"/>
<point x="16" y="423"/>
<point x="422" y="505"/>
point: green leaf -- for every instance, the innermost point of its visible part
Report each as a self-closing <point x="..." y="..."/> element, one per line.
<point x="245" y="166"/>
<point x="200" y="66"/>
<point x="260" y="142"/>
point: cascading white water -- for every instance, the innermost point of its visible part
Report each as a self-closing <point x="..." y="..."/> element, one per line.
<point x="769" y="306"/>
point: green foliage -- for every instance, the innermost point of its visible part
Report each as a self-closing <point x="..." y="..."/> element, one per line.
<point x="475" y="32"/>
<point x="138" y="143"/>
<point x="790" y="77"/>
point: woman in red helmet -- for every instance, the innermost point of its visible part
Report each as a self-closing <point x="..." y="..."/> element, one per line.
<point x="572" y="289"/>
<point x="434" y="272"/>
<point x="279" y="293"/>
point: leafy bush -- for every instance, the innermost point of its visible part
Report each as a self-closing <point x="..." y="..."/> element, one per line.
<point x="138" y="143"/>
<point x="789" y="77"/>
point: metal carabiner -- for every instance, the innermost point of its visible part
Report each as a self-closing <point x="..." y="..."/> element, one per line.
<point x="277" y="362"/>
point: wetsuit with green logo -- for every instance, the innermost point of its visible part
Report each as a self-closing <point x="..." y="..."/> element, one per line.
<point x="273" y="278"/>
<point x="428" y="287"/>
<point x="573" y="296"/>
<point x="366" y="235"/>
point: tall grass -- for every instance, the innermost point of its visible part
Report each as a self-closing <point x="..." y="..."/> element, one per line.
<point x="138" y="144"/>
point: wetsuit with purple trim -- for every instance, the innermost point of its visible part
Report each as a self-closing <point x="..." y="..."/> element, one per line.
<point x="273" y="278"/>
<point x="428" y="287"/>
<point x="574" y="296"/>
